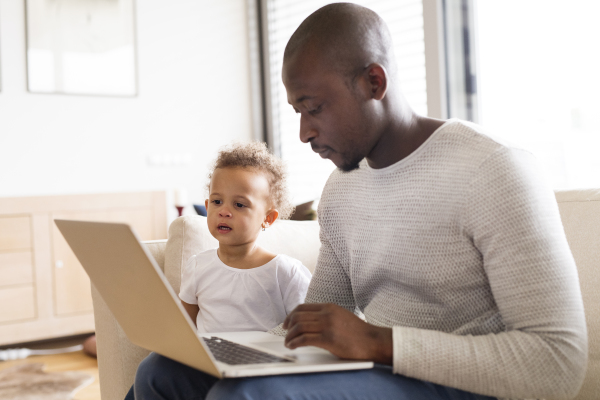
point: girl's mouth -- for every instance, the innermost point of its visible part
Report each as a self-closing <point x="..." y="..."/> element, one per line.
<point x="223" y="228"/>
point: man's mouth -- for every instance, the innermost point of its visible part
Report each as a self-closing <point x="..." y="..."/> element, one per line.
<point x="322" y="151"/>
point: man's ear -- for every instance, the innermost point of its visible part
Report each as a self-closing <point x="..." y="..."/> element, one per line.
<point x="376" y="78"/>
<point x="271" y="216"/>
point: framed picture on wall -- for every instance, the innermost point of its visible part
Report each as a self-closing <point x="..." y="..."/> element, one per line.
<point x="81" y="47"/>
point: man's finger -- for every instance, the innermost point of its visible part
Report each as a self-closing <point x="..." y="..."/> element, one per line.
<point x="309" y="307"/>
<point x="307" y="339"/>
<point x="300" y="315"/>
<point x="301" y="328"/>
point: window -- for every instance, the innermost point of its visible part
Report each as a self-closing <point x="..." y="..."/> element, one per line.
<point x="539" y="82"/>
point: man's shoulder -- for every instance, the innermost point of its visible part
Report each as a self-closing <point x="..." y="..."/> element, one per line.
<point x="460" y="148"/>
<point x="481" y="143"/>
<point x="472" y="137"/>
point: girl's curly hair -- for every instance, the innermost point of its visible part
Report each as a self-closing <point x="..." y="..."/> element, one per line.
<point x="256" y="155"/>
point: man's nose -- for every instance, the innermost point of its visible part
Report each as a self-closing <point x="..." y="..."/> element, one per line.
<point x="307" y="131"/>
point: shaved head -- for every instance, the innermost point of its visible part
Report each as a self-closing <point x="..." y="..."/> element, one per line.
<point x="347" y="37"/>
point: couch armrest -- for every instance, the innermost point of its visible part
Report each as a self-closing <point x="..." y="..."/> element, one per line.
<point x="118" y="358"/>
<point x="157" y="249"/>
<point x="580" y="214"/>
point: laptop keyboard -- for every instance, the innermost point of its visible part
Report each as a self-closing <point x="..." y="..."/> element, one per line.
<point x="236" y="354"/>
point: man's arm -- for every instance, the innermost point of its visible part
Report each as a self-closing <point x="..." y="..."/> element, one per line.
<point x="330" y="282"/>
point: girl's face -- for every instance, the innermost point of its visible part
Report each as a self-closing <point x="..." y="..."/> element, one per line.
<point x="238" y="205"/>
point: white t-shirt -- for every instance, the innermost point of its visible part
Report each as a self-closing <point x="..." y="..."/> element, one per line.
<point x="232" y="299"/>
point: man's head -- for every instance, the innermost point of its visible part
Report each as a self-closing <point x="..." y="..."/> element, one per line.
<point x="337" y="71"/>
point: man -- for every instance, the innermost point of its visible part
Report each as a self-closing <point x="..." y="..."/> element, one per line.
<point x="445" y="239"/>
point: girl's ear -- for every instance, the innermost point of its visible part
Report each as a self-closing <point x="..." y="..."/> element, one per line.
<point x="271" y="217"/>
<point x="206" y="203"/>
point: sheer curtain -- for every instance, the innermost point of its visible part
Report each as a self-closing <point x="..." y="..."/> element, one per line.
<point x="308" y="172"/>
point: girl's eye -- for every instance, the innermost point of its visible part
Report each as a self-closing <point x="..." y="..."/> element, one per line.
<point x="216" y="202"/>
<point x="239" y="205"/>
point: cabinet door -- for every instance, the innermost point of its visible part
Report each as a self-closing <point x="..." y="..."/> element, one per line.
<point x="71" y="283"/>
<point x="16" y="269"/>
<point x="15" y="233"/>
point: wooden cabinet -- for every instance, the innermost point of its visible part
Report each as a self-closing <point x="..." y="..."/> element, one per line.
<point x="44" y="291"/>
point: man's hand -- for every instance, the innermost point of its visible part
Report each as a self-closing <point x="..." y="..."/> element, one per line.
<point x="336" y="329"/>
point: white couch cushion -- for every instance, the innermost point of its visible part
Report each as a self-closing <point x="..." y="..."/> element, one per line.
<point x="580" y="214"/>
<point x="189" y="235"/>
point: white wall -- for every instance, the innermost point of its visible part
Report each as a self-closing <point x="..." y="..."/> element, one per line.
<point x="194" y="96"/>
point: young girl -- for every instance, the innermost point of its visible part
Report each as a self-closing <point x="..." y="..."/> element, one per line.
<point x="241" y="286"/>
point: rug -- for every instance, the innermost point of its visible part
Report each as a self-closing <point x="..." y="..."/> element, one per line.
<point x="30" y="382"/>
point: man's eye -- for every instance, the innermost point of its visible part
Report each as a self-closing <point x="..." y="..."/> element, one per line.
<point x="315" y="111"/>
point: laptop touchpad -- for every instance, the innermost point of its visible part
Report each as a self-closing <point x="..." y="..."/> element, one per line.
<point x="279" y="348"/>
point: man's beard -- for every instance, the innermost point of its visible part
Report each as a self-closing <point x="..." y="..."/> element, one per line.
<point x="351" y="163"/>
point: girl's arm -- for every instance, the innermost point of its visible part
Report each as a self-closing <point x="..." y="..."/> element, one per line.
<point x="192" y="310"/>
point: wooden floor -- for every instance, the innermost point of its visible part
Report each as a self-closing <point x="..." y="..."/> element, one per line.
<point x="77" y="361"/>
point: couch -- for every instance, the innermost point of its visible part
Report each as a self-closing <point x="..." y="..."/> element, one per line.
<point x="118" y="358"/>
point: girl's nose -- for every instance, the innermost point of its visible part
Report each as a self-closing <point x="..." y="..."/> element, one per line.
<point x="224" y="213"/>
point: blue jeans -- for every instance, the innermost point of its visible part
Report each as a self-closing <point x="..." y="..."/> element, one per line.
<point x="159" y="377"/>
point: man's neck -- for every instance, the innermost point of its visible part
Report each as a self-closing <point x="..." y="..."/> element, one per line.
<point x="401" y="139"/>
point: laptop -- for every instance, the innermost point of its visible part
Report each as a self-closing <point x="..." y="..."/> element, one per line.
<point x="151" y="315"/>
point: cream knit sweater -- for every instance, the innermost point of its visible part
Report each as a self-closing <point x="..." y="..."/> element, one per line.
<point x="460" y="248"/>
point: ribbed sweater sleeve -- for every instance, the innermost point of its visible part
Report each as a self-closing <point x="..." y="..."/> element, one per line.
<point x="512" y="218"/>
<point x="331" y="284"/>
